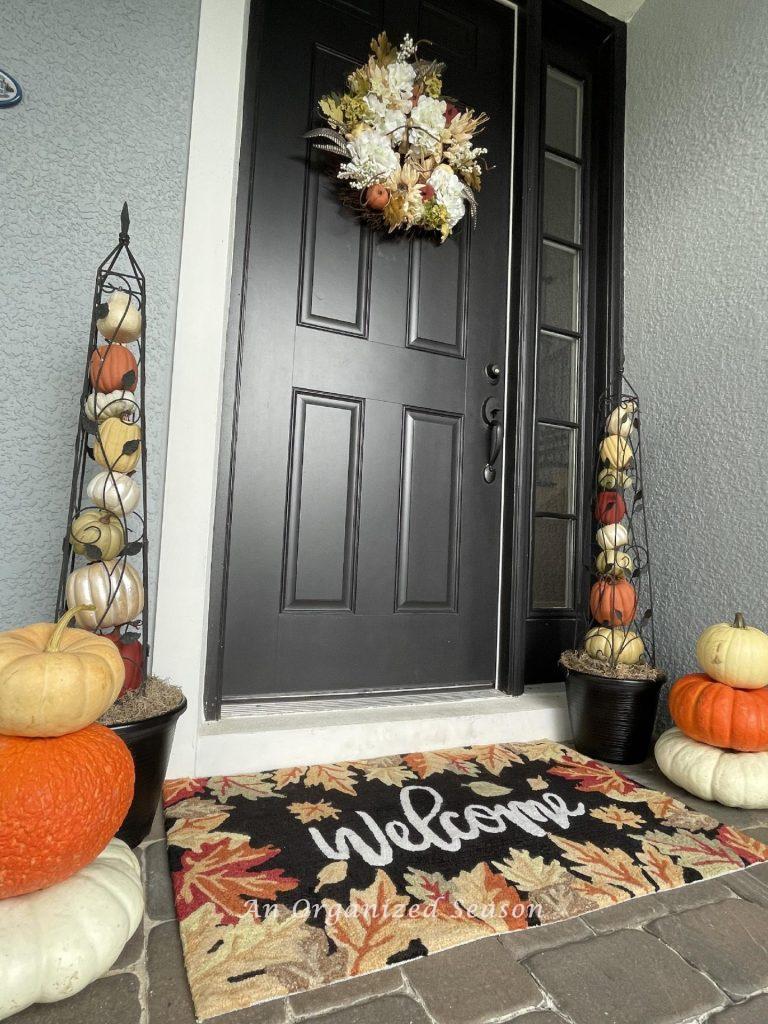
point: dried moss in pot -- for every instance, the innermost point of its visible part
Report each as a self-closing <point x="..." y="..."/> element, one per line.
<point x="154" y="698"/>
<point x="580" y="661"/>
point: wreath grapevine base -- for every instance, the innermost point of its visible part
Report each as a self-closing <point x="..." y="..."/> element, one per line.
<point x="408" y="161"/>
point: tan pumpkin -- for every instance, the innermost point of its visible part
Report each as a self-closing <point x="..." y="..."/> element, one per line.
<point x="616" y="451"/>
<point x="108" y="447"/>
<point x="113" y="589"/>
<point x="617" y="646"/>
<point x="119" y="319"/>
<point x="622" y="418"/>
<point x="55" y="680"/>
<point x="736" y="655"/>
<point x="614" y="563"/>
<point x="611" y="479"/>
<point x="96" y="528"/>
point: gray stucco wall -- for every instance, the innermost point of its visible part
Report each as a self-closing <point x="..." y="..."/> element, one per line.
<point x="105" y="117"/>
<point x="697" y="306"/>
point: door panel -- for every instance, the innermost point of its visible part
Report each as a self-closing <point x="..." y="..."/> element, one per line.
<point x="361" y="539"/>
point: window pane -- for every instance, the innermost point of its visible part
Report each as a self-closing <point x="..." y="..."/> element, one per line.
<point x="562" y="198"/>
<point x="560" y="287"/>
<point x="555" y="468"/>
<point x="556" y="378"/>
<point x="553" y="563"/>
<point x="563" y="113"/>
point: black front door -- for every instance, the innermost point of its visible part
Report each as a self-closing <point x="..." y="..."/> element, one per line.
<point x="359" y="539"/>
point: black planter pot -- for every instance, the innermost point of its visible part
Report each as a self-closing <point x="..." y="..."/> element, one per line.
<point x="612" y="719"/>
<point x="150" y="745"/>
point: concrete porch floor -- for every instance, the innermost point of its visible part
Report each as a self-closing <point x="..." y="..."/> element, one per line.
<point x="690" y="955"/>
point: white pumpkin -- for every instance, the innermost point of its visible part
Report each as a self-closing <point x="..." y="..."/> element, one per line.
<point x="622" y="418"/>
<point x="614" y="563"/>
<point x="122" y="320"/>
<point x="616" y="451"/>
<point x="100" y="583"/>
<point x="730" y="778"/>
<point x="614" y="645"/>
<point x="115" y="492"/>
<point x="115" y="403"/>
<point x="734" y="654"/>
<point x="55" y="941"/>
<point x="614" y="535"/>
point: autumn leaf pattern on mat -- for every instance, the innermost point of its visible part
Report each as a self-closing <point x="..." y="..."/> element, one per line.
<point x="299" y="877"/>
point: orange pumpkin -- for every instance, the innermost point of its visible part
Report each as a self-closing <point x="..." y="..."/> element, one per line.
<point x="109" y="365"/>
<point x="61" y="801"/>
<point x="613" y="602"/>
<point x="719" y="714"/>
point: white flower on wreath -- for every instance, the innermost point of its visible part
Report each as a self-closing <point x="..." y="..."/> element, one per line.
<point x="371" y="159"/>
<point x="449" y="192"/>
<point x="401" y="77"/>
<point x="428" y="121"/>
<point x="388" y="120"/>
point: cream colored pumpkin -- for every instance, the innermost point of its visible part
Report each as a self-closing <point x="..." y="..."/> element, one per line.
<point x="122" y="321"/>
<point x="99" y="406"/>
<point x="108" y="446"/>
<point x="736" y="655"/>
<point x="99" y="583"/>
<point x="115" y="492"/>
<point x="617" y="646"/>
<point x="611" y="479"/>
<point x="98" y="529"/>
<point x="614" y="563"/>
<point x="55" y="941"/>
<point x="622" y="418"/>
<point x="614" y="535"/>
<point x="732" y="778"/>
<point x="616" y="451"/>
<point x="55" y="680"/>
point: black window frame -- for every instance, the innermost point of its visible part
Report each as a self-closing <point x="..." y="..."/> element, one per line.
<point x="587" y="44"/>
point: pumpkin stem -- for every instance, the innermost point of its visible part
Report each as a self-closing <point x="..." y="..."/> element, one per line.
<point x="55" y="639"/>
<point x="738" y="622"/>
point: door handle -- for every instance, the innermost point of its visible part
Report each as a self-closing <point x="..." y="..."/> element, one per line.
<point x="492" y="418"/>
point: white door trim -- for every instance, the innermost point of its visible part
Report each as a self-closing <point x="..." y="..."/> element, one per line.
<point x="184" y="575"/>
<point x="181" y="619"/>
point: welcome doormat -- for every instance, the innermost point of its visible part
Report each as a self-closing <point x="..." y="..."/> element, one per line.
<point x="300" y="877"/>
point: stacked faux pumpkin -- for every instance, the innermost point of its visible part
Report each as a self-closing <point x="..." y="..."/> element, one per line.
<point x="719" y="750"/>
<point x="108" y="592"/>
<point x="70" y="894"/>
<point x="613" y="598"/>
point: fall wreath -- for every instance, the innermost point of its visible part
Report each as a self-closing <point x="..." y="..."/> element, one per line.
<point x="408" y="159"/>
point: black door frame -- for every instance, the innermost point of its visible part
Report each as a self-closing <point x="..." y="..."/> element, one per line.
<point x="532" y="17"/>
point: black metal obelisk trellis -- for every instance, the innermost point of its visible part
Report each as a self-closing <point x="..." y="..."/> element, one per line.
<point x="104" y="563"/>
<point x="621" y="555"/>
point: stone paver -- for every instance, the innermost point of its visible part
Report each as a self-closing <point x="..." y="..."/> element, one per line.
<point x="169" y="998"/>
<point x="386" y="1010"/>
<point x="527" y="941"/>
<point x="160" y="906"/>
<point x="132" y="951"/>
<point x="744" y="884"/>
<point x="628" y="977"/>
<point x="754" y="1011"/>
<point x="635" y="913"/>
<point x="114" y="1000"/>
<point x="345" y="993"/>
<point x="728" y="940"/>
<point x="473" y="984"/>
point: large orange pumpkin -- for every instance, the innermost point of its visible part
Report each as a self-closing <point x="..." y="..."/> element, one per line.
<point x="719" y="714"/>
<point x="109" y="365"/>
<point x="61" y="801"/>
<point x="613" y="602"/>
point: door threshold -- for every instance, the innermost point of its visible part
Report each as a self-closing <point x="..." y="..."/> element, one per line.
<point x="313" y="705"/>
<point x="261" y="742"/>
